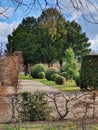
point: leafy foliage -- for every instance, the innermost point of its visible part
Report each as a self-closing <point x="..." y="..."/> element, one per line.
<point x="41" y="75"/>
<point x="53" y="76"/>
<point x="71" y="67"/>
<point x="64" y="74"/>
<point x="36" y="69"/>
<point x="51" y="71"/>
<point x="35" y="107"/>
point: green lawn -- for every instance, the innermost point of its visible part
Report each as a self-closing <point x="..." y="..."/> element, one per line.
<point x="68" y="86"/>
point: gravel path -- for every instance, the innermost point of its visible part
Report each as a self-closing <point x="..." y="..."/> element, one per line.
<point x="32" y="85"/>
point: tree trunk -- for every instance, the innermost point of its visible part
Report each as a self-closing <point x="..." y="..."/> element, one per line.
<point x="29" y="68"/>
<point x="26" y="69"/>
<point x="61" y="63"/>
<point x="49" y="65"/>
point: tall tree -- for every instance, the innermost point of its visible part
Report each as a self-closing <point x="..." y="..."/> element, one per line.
<point x="52" y="20"/>
<point x="46" y="39"/>
<point x="24" y="39"/>
<point x="77" y="40"/>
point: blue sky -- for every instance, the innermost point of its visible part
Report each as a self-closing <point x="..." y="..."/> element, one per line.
<point x="15" y="17"/>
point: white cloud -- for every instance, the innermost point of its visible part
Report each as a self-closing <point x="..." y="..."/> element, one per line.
<point x="94" y="43"/>
<point x="6" y="29"/>
<point x="77" y="9"/>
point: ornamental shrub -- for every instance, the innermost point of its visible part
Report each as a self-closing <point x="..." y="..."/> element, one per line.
<point x="53" y="76"/>
<point x="51" y="71"/>
<point x="64" y="74"/>
<point x="71" y="66"/>
<point x="41" y="75"/>
<point x="36" y="69"/>
<point x="35" y="107"/>
<point x="60" y="80"/>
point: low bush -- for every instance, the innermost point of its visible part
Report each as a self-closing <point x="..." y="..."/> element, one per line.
<point x="51" y="71"/>
<point x="36" y="69"/>
<point x="64" y="74"/>
<point x="41" y="75"/>
<point x="60" y="80"/>
<point x="53" y="76"/>
<point x="35" y="107"/>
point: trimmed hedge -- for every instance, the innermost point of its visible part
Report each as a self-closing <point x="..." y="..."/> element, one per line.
<point x="51" y="71"/>
<point x="60" y="80"/>
<point x="89" y="72"/>
<point x="36" y="69"/>
<point x="53" y="76"/>
<point x="41" y="75"/>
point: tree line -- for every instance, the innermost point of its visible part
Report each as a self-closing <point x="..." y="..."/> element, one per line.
<point x="46" y="38"/>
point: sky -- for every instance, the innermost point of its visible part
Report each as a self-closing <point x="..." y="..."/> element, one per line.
<point x="86" y="16"/>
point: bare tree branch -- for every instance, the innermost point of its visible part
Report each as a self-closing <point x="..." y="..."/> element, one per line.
<point x="77" y="5"/>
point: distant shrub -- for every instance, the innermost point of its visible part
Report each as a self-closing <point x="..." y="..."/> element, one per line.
<point x="51" y="71"/>
<point x="35" y="107"/>
<point x="53" y="76"/>
<point x="60" y="80"/>
<point x="36" y="69"/>
<point x="41" y="75"/>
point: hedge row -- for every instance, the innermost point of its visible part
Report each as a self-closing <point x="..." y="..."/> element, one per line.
<point x="89" y="72"/>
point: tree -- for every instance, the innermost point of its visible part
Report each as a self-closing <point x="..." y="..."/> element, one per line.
<point x="52" y="20"/>
<point x="64" y="34"/>
<point x="24" y="39"/>
<point x="77" y="40"/>
<point x="71" y="66"/>
<point x="45" y="40"/>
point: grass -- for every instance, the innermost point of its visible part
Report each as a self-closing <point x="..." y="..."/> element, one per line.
<point x="68" y="86"/>
<point x="47" y="82"/>
<point x="43" y="125"/>
<point x="22" y="76"/>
